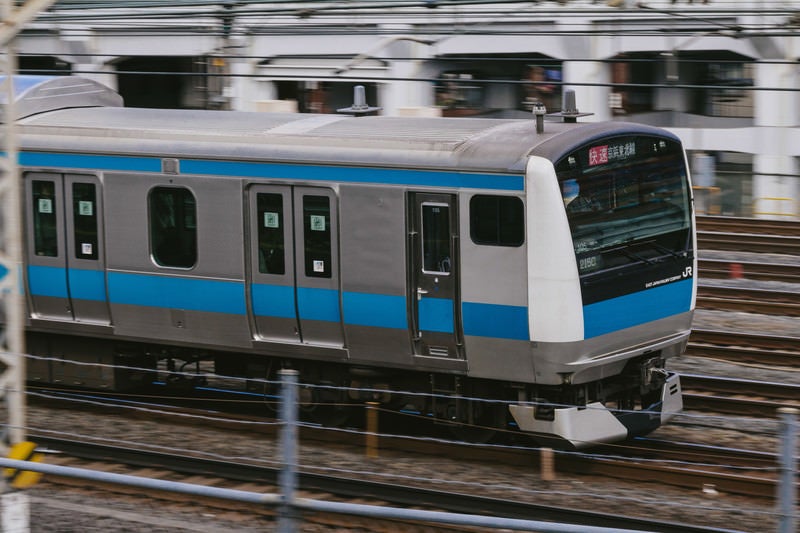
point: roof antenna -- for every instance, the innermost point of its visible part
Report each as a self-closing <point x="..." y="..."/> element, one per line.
<point x="569" y="110"/>
<point x="539" y="111"/>
<point x="359" y="107"/>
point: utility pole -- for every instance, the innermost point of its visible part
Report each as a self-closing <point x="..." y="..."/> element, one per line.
<point x="13" y="15"/>
<point x="14" y="507"/>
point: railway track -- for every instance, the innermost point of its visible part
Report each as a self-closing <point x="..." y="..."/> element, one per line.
<point x="737" y="396"/>
<point x="619" y="462"/>
<point x="763" y="226"/>
<point x="745" y="242"/>
<point x="740" y="347"/>
<point x="760" y="271"/>
<point x="751" y="300"/>
<point x="312" y="485"/>
<point x="748" y="235"/>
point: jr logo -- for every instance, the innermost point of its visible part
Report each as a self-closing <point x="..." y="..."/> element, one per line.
<point x="687" y="273"/>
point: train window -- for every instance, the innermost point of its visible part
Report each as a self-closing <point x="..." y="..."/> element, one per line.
<point x="496" y="220"/>
<point x="173" y="227"/>
<point x="436" y="238"/>
<point x="270" y="234"/>
<point x="45" y="230"/>
<point x="84" y="215"/>
<point x="317" y="236"/>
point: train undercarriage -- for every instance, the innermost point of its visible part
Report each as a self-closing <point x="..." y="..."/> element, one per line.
<point x="634" y="402"/>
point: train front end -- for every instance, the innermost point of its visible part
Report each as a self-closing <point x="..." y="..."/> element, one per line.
<point x="612" y="283"/>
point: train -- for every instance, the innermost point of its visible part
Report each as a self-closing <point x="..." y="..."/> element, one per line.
<point x="546" y="266"/>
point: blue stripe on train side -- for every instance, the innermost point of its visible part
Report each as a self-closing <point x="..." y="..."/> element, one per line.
<point x="249" y="169"/>
<point x="87" y="284"/>
<point x="375" y="310"/>
<point x="318" y="304"/>
<point x="497" y="321"/>
<point x="192" y="294"/>
<point x="510" y="182"/>
<point x="90" y="161"/>
<point x="273" y="300"/>
<point x="436" y="314"/>
<point x="637" y="308"/>
<point x="47" y="281"/>
<point x="217" y="296"/>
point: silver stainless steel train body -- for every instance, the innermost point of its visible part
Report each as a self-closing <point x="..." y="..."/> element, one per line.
<point x="553" y="271"/>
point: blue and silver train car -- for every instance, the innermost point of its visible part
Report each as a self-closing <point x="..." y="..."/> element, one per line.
<point x="553" y="271"/>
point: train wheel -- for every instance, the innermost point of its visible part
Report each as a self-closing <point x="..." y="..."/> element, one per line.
<point x="472" y="434"/>
<point x="481" y="424"/>
<point x="324" y="407"/>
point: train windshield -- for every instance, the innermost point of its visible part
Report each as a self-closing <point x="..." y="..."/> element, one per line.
<point x="627" y="201"/>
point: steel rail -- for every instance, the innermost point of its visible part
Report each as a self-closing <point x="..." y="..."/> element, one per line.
<point x="741" y="354"/>
<point x="765" y="301"/>
<point x="731" y="406"/>
<point x="789" y="228"/>
<point x="731" y="268"/>
<point x="747" y="242"/>
<point x="684" y="475"/>
<point x="764" y="389"/>
<point x="742" y="339"/>
<point x="737" y="396"/>
<point x="693" y="452"/>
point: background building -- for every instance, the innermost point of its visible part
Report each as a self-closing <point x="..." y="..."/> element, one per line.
<point x="723" y="75"/>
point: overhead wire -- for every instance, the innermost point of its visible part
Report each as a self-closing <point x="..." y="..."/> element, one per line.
<point x="303" y="10"/>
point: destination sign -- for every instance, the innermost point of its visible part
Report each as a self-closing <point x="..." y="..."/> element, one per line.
<point x="599" y="155"/>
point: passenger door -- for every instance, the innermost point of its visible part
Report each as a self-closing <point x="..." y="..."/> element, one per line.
<point x="294" y="277"/>
<point x="434" y="296"/>
<point x="272" y="294"/>
<point x="66" y="272"/>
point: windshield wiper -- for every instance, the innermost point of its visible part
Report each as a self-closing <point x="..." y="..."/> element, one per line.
<point x="632" y="255"/>
<point x="664" y="249"/>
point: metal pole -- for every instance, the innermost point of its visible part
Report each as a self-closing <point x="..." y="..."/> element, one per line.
<point x="372" y="429"/>
<point x="787" y="492"/>
<point x="12" y="342"/>
<point x="288" y="474"/>
<point x="13" y="15"/>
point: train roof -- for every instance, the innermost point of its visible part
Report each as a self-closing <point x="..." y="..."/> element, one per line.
<point x="39" y="94"/>
<point x="480" y="144"/>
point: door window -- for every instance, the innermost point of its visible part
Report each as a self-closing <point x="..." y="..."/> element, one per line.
<point x="317" y="236"/>
<point x="270" y="234"/>
<point x="84" y="208"/>
<point x="436" y="253"/>
<point x="45" y="231"/>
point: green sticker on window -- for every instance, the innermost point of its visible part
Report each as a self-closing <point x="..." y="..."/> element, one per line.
<point x="85" y="208"/>
<point x="45" y="205"/>
<point x="317" y="223"/>
<point x="271" y="220"/>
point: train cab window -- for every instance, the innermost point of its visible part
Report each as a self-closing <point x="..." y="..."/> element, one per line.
<point x="173" y="227"/>
<point x="84" y="214"/>
<point x="270" y="234"/>
<point x="317" y="236"/>
<point x="45" y="230"/>
<point x="496" y="220"/>
<point x="436" y="251"/>
<point x="627" y="202"/>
